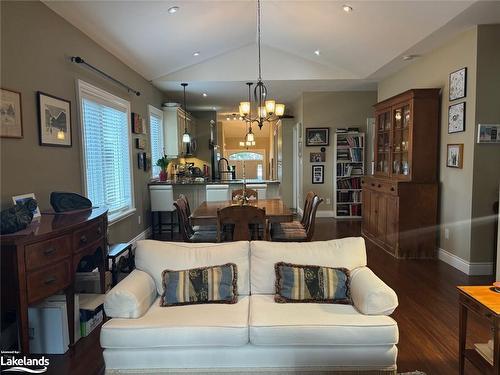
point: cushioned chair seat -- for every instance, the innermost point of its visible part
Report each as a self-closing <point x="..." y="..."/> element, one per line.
<point x="292" y="234"/>
<point x="279" y="324"/>
<point x="287" y="226"/>
<point x="180" y="326"/>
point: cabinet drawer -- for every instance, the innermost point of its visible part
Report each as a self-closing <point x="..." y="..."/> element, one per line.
<point x="48" y="280"/>
<point x="86" y="236"/>
<point x="43" y="253"/>
<point x="387" y="187"/>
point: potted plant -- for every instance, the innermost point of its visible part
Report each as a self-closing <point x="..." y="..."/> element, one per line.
<point x="163" y="163"/>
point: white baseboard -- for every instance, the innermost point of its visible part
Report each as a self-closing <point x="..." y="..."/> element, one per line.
<point x="141" y="236"/>
<point x="469" y="268"/>
<point x="325" y="213"/>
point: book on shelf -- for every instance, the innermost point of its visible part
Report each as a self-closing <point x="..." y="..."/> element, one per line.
<point x="349" y="183"/>
<point x="356" y="154"/>
<point x="348" y="196"/>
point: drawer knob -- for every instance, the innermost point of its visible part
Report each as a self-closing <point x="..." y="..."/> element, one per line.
<point x="83" y="239"/>
<point x="49" y="251"/>
<point x="373" y="184"/>
<point x="50" y="280"/>
<point x="379" y="185"/>
<point x="392" y="189"/>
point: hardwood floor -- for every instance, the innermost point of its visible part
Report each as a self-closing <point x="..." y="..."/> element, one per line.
<point x="427" y="315"/>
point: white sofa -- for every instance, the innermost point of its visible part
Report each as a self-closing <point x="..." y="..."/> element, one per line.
<point x="255" y="334"/>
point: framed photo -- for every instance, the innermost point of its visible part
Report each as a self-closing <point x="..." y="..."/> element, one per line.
<point x="317" y="157"/>
<point x="140" y="143"/>
<point x="456" y="118"/>
<point x="317" y="136"/>
<point x="318" y="174"/>
<point x="21" y="198"/>
<point x="488" y="133"/>
<point x="454" y="155"/>
<point x="11" y="116"/>
<point x="137" y="123"/>
<point x="458" y="84"/>
<point x="146" y="161"/>
<point x="140" y="160"/>
<point x="54" y="119"/>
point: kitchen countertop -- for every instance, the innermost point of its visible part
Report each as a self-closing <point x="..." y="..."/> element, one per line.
<point x="210" y="182"/>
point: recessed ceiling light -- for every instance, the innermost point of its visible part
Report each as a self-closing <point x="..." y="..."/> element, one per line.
<point x="196" y="53"/>
<point x="409" y="57"/>
<point x="317" y="52"/>
<point x="204" y="94"/>
<point x="173" y="10"/>
<point x="347" y="8"/>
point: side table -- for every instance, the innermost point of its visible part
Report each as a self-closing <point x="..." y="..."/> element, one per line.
<point x="485" y="302"/>
<point x="114" y="252"/>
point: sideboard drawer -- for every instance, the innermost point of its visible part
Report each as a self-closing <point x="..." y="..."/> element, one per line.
<point x="47" y="281"/>
<point x="43" y="253"/>
<point x="388" y="187"/>
<point x="88" y="235"/>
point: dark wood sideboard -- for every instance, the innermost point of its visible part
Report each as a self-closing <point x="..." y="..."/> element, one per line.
<point x="42" y="260"/>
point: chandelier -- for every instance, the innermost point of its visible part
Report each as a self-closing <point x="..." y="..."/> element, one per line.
<point x="267" y="109"/>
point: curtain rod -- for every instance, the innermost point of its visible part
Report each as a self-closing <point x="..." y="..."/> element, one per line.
<point x="79" y="60"/>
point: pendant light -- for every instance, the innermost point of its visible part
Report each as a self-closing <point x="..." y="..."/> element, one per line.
<point x="267" y="109"/>
<point x="186" y="138"/>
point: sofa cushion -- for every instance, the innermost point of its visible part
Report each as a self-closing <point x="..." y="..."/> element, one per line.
<point x="316" y="324"/>
<point x="309" y="283"/>
<point x="154" y="257"/>
<point x="344" y="253"/>
<point x="180" y="326"/>
<point x="215" y="284"/>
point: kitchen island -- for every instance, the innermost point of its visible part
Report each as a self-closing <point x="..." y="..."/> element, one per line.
<point x="196" y="191"/>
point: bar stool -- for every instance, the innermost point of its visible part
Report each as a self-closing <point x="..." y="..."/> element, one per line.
<point x="162" y="200"/>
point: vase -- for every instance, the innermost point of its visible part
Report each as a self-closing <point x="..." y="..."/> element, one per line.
<point x="163" y="175"/>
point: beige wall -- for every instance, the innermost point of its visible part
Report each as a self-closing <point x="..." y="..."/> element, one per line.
<point x="36" y="44"/>
<point x="286" y="186"/>
<point x="486" y="156"/>
<point x="333" y="110"/>
<point x="455" y="184"/>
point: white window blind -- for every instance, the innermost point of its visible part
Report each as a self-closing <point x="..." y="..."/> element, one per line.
<point x="156" y="131"/>
<point x="106" y="150"/>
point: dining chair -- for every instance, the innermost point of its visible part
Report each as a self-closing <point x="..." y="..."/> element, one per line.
<point x="250" y="193"/>
<point x="245" y="222"/>
<point x="196" y="228"/>
<point x="296" y="224"/>
<point x="187" y="231"/>
<point x="304" y="234"/>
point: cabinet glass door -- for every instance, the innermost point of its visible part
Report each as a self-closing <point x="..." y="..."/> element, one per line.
<point x="384" y="128"/>
<point x="400" y="141"/>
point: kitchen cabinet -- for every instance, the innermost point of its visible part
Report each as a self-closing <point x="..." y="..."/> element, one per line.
<point x="401" y="199"/>
<point x="173" y="130"/>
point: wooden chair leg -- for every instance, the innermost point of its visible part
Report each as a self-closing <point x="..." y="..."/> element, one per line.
<point x="171" y="225"/>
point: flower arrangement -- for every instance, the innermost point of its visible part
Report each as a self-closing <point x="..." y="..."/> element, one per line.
<point x="241" y="199"/>
<point x="163" y="163"/>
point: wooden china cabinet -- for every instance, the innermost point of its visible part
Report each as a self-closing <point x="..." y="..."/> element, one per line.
<point x="401" y="198"/>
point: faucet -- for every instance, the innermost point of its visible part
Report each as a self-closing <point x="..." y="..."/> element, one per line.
<point x="225" y="171"/>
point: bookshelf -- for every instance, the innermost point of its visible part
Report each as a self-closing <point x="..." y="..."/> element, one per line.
<point x="349" y="167"/>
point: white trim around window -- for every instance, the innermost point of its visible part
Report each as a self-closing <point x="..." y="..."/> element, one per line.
<point x="100" y="104"/>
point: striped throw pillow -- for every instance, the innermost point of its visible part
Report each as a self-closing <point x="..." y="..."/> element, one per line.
<point x="215" y="284"/>
<point x="305" y="283"/>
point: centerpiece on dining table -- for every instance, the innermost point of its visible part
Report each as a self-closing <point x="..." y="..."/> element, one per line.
<point x="242" y="199"/>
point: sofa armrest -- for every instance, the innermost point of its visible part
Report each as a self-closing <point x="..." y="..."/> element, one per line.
<point x="371" y="296"/>
<point x="131" y="297"/>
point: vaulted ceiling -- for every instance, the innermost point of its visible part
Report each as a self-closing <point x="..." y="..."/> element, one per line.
<point x="355" y="49"/>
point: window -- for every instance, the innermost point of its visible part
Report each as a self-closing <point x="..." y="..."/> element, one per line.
<point x="156" y="131"/>
<point x="244" y="155"/>
<point x="106" y="150"/>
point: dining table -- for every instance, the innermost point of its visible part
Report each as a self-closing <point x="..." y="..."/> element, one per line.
<point x="276" y="211"/>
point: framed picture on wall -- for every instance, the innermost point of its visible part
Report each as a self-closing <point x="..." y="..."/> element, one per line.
<point x="318" y="174"/>
<point x="11" y="119"/>
<point x="458" y="84"/>
<point x="454" y="155"/>
<point x="456" y="118"/>
<point x="22" y="198"/>
<point x="317" y="157"/>
<point x="488" y="133"/>
<point x="54" y="120"/>
<point x="317" y="136"/>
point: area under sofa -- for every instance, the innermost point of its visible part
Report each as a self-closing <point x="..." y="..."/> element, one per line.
<point x="256" y="333"/>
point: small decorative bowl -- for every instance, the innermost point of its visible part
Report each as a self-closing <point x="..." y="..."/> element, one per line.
<point x="496" y="286"/>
